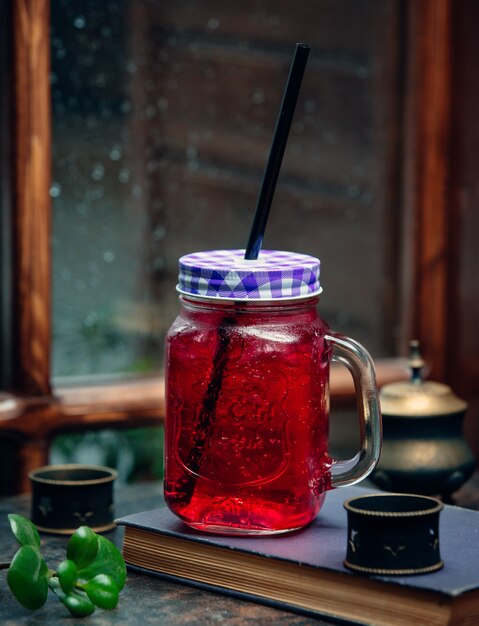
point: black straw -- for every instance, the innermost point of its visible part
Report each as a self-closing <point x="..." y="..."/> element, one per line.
<point x="276" y="153"/>
<point x="185" y="487"/>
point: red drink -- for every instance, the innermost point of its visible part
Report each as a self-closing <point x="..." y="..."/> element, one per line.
<point x="247" y="415"/>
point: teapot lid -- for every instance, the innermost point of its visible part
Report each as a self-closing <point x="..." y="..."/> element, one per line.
<point x="418" y="398"/>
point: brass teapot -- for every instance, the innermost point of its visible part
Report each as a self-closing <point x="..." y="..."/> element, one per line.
<point x="423" y="448"/>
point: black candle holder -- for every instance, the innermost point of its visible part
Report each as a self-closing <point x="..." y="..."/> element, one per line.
<point x="393" y="534"/>
<point x="68" y="496"/>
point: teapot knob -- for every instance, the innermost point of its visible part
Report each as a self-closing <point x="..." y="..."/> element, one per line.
<point x="416" y="362"/>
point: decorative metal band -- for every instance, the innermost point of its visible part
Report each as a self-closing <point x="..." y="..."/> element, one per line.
<point x="436" y="505"/>
<point x="70" y="531"/>
<point x="103" y="475"/>
<point x="394" y="572"/>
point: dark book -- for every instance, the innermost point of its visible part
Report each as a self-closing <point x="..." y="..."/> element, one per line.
<point x="304" y="570"/>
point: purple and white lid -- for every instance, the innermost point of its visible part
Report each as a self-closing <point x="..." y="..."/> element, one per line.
<point x="227" y="275"/>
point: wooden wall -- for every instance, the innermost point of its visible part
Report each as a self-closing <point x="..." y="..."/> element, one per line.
<point x="463" y="329"/>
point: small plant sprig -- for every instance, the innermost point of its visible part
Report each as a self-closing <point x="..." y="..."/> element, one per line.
<point x="92" y="575"/>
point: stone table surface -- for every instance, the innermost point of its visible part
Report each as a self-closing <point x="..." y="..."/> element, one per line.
<point x="144" y="600"/>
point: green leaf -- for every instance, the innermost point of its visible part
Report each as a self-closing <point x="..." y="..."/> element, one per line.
<point x="78" y="605"/>
<point x="27" y="577"/>
<point x="82" y="547"/>
<point x="25" y="532"/>
<point x="108" y="561"/>
<point x="76" y="602"/>
<point x="102" y="591"/>
<point x="67" y="575"/>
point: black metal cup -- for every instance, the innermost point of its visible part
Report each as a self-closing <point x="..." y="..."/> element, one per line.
<point x="68" y="496"/>
<point x="393" y="534"/>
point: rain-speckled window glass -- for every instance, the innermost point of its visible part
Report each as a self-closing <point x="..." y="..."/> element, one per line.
<point x="163" y="113"/>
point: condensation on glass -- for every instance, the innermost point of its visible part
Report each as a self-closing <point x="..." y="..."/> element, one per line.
<point x="163" y="115"/>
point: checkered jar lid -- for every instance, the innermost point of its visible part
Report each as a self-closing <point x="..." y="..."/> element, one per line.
<point x="227" y="275"/>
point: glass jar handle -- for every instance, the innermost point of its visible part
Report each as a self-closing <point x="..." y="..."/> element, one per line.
<point x="358" y="361"/>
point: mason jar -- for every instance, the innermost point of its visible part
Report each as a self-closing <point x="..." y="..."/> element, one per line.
<point x="247" y="395"/>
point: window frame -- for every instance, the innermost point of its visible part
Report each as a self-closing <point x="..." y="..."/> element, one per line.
<point x="33" y="411"/>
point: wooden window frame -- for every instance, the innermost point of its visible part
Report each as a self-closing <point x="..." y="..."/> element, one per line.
<point x="32" y="412"/>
